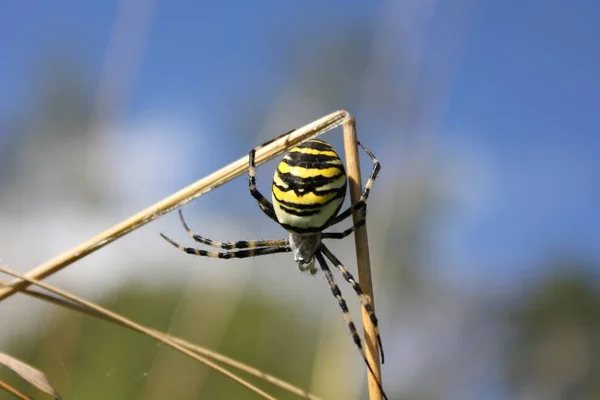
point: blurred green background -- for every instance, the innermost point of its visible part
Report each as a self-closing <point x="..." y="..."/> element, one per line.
<point x="482" y="225"/>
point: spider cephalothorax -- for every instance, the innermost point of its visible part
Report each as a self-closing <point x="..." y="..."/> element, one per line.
<point x="304" y="248"/>
<point x="308" y="190"/>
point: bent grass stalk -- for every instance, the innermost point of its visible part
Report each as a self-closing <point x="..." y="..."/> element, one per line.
<point x="211" y="182"/>
<point x="177" y="199"/>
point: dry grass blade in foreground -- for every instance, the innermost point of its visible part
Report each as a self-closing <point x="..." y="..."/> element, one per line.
<point x="156" y="335"/>
<point x="33" y="376"/>
<point x="198" y="349"/>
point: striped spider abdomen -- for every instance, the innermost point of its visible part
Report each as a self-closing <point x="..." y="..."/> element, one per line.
<point x="309" y="187"/>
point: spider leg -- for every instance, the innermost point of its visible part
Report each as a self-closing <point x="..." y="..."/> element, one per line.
<point x="364" y="300"/>
<point x="338" y="295"/>
<point x="362" y="203"/>
<point x="239" y="253"/>
<point x="264" y="204"/>
<point x="241" y="244"/>
<point x="341" y="235"/>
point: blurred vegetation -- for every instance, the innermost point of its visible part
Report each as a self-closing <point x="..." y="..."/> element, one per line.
<point x="48" y="142"/>
<point x="86" y="358"/>
<point x="556" y="347"/>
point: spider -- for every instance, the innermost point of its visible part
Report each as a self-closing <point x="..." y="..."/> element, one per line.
<point x="309" y="187"/>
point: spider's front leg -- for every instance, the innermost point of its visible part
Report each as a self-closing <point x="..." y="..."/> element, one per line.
<point x="238" y="253"/>
<point x="264" y="204"/>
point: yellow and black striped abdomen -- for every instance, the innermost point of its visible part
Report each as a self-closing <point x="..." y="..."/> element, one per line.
<point x="309" y="187"/>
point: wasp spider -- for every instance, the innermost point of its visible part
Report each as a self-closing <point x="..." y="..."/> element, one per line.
<point x="308" y="190"/>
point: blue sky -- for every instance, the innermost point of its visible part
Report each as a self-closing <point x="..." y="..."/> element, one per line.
<point x="526" y="95"/>
<point x="522" y="97"/>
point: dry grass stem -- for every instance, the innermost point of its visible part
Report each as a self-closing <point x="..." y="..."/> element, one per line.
<point x="179" y="198"/>
<point x="19" y="395"/>
<point x="362" y="256"/>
